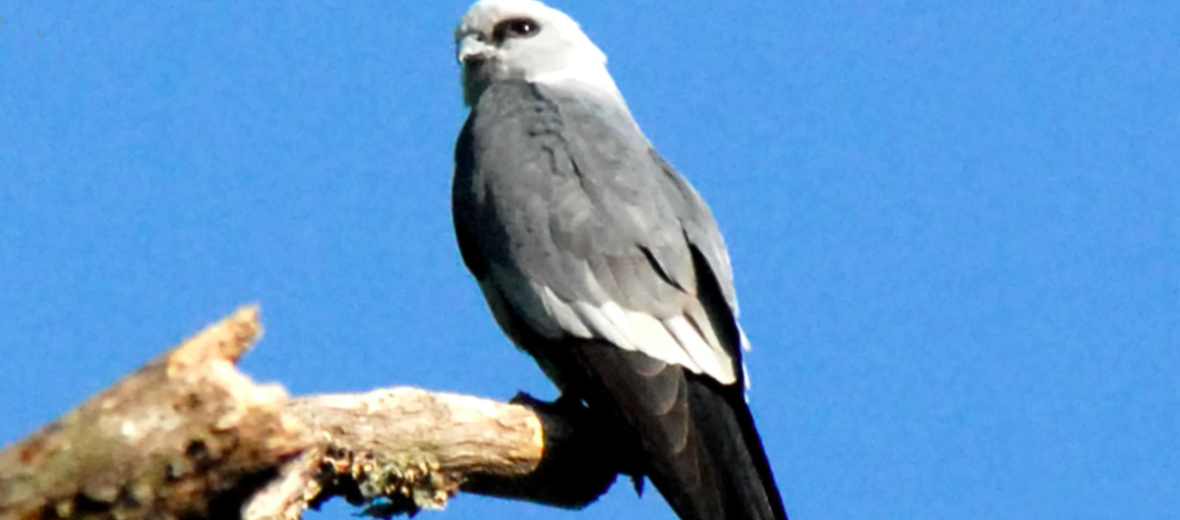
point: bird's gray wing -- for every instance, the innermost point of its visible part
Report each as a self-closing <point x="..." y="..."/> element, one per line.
<point x="566" y="214"/>
<point x="598" y="259"/>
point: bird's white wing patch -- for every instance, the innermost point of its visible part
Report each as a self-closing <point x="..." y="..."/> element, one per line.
<point x="711" y="359"/>
<point x="622" y="321"/>
<point x="672" y="340"/>
<point x="563" y="312"/>
<point x="685" y="339"/>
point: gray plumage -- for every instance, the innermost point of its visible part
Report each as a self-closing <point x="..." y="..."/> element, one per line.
<point x="600" y="260"/>
<point x="565" y="195"/>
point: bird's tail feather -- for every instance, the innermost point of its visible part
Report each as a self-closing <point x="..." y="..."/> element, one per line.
<point x="726" y="429"/>
<point x="698" y="438"/>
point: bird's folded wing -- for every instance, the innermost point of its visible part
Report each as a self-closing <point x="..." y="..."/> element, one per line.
<point x="585" y="232"/>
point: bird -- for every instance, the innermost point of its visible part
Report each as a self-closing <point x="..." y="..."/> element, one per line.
<point x="598" y="259"/>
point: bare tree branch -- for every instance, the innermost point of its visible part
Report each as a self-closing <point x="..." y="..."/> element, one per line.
<point x="185" y="436"/>
<point x="188" y="436"/>
<point x="404" y="449"/>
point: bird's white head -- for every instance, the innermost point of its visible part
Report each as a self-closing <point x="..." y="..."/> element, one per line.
<point x="526" y="39"/>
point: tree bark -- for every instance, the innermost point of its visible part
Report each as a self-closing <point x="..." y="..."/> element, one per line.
<point x="189" y="436"/>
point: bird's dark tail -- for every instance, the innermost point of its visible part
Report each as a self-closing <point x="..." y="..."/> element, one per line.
<point x="697" y="436"/>
<point x="727" y="435"/>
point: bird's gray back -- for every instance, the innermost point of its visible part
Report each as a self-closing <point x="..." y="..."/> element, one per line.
<point x="562" y="193"/>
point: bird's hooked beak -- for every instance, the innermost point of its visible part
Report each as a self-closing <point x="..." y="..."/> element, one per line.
<point x="473" y="50"/>
<point x="474" y="54"/>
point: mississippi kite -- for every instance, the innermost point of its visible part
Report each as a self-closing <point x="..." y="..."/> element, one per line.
<point x="601" y="261"/>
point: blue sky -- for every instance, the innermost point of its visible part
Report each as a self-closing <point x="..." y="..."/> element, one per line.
<point x="955" y="225"/>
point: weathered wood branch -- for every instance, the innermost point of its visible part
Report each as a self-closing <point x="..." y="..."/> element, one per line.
<point x="189" y="436"/>
<point x="185" y="436"/>
<point x="404" y="449"/>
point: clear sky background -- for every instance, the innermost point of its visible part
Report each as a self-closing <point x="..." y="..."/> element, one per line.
<point x="955" y="225"/>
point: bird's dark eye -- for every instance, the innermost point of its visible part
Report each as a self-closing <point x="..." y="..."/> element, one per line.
<point x="515" y="28"/>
